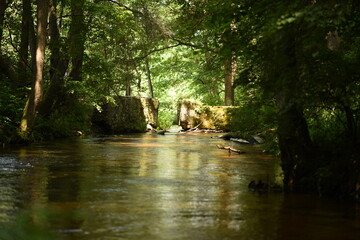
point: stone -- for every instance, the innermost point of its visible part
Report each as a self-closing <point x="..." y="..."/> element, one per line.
<point x="126" y="115"/>
<point x="194" y="115"/>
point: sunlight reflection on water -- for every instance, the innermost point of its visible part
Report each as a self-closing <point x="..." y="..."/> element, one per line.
<point x="146" y="186"/>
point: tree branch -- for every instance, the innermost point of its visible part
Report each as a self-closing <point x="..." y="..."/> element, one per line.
<point x="156" y="50"/>
<point x="180" y="42"/>
<point x="121" y="5"/>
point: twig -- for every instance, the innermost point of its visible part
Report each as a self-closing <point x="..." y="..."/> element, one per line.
<point x="230" y="149"/>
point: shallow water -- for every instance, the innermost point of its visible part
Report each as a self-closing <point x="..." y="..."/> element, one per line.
<point x="145" y="186"/>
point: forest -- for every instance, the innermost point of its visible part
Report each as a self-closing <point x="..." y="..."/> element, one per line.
<point x="291" y="66"/>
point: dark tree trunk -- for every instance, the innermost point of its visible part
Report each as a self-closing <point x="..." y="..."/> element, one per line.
<point x="77" y="39"/>
<point x="32" y="44"/>
<point x="23" y="66"/>
<point x="35" y="97"/>
<point x="59" y="60"/>
<point x="294" y="140"/>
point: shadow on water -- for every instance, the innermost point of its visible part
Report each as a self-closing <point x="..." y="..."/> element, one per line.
<point x="146" y="186"/>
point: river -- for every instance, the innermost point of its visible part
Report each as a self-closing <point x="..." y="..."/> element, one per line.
<point x="144" y="187"/>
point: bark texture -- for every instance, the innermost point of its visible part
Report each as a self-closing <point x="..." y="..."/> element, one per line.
<point x="36" y="94"/>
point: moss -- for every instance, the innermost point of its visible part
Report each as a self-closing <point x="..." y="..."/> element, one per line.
<point x="192" y="114"/>
<point x="129" y="114"/>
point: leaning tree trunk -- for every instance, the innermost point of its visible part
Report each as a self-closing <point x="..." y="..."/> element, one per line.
<point x="35" y="97"/>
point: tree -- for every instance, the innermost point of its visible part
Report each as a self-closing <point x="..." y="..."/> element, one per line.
<point x="26" y="34"/>
<point x="32" y="105"/>
<point x="77" y="39"/>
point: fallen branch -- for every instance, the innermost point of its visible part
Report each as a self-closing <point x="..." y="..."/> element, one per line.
<point x="194" y="128"/>
<point x="230" y="149"/>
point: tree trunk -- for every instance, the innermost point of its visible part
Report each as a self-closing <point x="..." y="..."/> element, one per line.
<point x="77" y="39"/>
<point x="294" y="139"/>
<point x="148" y="74"/>
<point x="23" y="65"/>
<point x="32" y="44"/>
<point x="230" y="70"/>
<point x="35" y="97"/>
<point x="59" y="60"/>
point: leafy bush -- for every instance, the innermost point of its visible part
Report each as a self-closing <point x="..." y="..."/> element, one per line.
<point x="166" y="118"/>
<point x="11" y="105"/>
<point x="63" y="122"/>
<point x="253" y="118"/>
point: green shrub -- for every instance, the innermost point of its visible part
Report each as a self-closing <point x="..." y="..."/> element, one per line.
<point x="253" y="118"/>
<point x="63" y="122"/>
<point x="166" y="118"/>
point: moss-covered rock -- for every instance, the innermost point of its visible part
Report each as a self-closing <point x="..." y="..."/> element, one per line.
<point x="127" y="114"/>
<point x="192" y="114"/>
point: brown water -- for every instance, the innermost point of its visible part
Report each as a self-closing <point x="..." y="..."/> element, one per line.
<point x="159" y="187"/>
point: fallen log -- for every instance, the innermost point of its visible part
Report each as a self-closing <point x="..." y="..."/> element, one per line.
<point x="230" y="149"/>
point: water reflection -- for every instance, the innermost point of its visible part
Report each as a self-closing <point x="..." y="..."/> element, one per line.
<point x="160" y="187"/>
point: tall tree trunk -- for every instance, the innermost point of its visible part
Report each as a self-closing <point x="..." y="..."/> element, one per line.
<point x="230" y="70"/>
<point x="77" y="39"/>
<point x="59" y="60"/>
<point x="23" y="65"/>
<point x="35" y="97"/>
<point x="229" y="64"/>
<point x="32" y="44"/>
<point x="294" y="139"/>
<point x="148" y="74"/>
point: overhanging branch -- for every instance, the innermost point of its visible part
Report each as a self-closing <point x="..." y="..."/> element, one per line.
<point x="122" y="5"/>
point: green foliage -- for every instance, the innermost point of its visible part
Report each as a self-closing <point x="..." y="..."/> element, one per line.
<point x="166" y="118"/>
<point x="11" y="105"/>
<point x="256" y="118"/>
<point x="63" y="122"/>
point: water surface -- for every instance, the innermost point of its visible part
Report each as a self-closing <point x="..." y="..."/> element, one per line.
<point x="145" y="186"/>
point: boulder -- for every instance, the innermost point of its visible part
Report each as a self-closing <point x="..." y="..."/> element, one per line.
<point x="192" y="114"/>
<point x="126" y="114"/>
